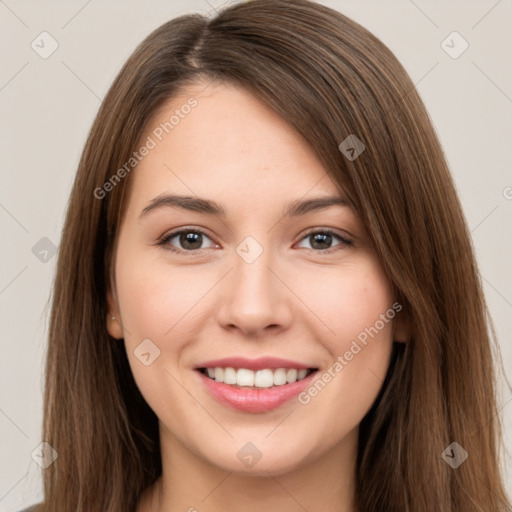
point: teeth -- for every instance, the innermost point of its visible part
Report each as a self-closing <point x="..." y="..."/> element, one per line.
<point x="243" y="377"/>
<point x="229" y="376"/>
<point x="291" y="375"/>
<point x="264" y="378"/>
<point x="261" y="378"/>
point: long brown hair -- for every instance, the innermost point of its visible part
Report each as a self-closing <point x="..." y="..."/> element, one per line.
<point x="329" y="78"/>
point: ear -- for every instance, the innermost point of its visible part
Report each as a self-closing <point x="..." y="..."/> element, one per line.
<point x="401" y="327"/>
<point x="114" y="326"/>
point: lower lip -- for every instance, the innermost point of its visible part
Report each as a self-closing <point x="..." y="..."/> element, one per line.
<point x="257" y="399"/>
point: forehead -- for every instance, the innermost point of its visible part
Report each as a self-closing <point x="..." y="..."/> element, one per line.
<point x="218" y="140"/>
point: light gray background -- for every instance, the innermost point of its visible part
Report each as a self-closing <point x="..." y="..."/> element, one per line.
<point x="47" y="107"/>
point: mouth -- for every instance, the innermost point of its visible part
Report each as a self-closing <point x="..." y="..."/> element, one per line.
<point x="245" y="378"/>
<point x="255" y="391"/>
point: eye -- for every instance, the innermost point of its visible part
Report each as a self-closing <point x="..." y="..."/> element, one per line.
<point x="321" y="241"/>
<point x="189" y="239"/>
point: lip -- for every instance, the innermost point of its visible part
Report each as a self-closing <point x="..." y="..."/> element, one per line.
<point x="253" y="364"/>
<point x="254" y="400"/>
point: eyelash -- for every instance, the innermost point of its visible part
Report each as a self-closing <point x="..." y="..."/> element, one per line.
<point x="164" y="241"/>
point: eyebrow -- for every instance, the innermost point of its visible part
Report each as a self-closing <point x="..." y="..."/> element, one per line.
<point x="209" y="207"/>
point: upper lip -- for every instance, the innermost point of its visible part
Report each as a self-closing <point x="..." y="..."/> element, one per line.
<point x="253" y="364"/>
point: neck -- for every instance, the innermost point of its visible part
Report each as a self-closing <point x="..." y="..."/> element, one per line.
<point x="189" y="483"/>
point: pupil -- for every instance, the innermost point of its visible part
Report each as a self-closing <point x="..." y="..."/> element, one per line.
<point x="323" y="238"/>
<point x="191" y="238"/>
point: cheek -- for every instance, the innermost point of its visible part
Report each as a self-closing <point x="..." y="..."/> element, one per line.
<point x="347" y="300"/>
<point x="357" y="308"/>
<point x="158" y="302"/>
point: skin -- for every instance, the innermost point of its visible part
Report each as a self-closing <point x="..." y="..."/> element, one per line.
<point x="294" y="301"/>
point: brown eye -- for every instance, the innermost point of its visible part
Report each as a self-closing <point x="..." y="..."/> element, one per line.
<point x="188" y="240"/>
<point x="322" y="240"/>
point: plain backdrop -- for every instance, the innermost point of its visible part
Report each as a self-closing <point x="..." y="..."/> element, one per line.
<point x="47" y="106"/>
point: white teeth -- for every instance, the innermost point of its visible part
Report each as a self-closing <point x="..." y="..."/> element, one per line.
<point x="261" y="378"/>
<point x="301" y="374"/>
<point x="219" y="374"/>
<point x="291" y="375"/>
<point x="280" y="376"/>
<point x="264" y="379"/>
<point x="229" y="376"/>
<point x="244" y="377"/>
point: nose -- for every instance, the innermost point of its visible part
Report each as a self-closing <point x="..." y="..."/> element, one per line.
<point x="255" y="299"/>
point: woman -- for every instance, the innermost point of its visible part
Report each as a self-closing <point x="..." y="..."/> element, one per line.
<point x="322" y="343"/>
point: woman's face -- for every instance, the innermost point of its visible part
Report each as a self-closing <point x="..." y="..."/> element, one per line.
<point x="254" y="282"/>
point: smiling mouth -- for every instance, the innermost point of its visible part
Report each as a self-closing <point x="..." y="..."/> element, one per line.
<point x="244" y="378"/>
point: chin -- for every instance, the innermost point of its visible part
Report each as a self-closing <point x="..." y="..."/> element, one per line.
<point x="253" y="459"/>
